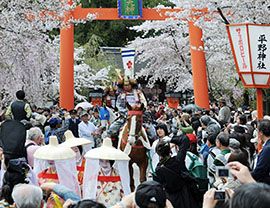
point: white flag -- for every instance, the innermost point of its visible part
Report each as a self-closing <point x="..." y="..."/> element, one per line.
<point x="128" y="62"/>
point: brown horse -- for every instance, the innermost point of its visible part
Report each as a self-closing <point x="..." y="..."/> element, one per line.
<point x="133" y="140"/>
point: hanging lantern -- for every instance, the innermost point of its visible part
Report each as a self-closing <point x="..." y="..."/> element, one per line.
<point x="251" y="49"/>
<point x="250" y="45"/>
<point x="130" y="9"/>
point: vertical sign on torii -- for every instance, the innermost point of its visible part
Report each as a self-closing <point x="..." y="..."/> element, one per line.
<point x="198" y="61"/>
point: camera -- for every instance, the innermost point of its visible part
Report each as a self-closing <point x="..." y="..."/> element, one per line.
<point x="223" y="172"/>
<point x="220" y="195"/>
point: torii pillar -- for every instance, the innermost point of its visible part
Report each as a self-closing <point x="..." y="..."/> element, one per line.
<point x="198" y="61"/>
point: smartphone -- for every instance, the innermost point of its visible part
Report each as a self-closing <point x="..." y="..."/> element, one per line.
<point x="220" y="195"/>
<point x="222" y="172"/>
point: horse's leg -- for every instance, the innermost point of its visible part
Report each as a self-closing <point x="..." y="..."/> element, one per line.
<point x="143" y="167"/>
<point x="132" y="186"/>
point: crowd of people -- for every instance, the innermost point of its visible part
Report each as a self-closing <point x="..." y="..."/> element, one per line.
<point x="52" y="157"/>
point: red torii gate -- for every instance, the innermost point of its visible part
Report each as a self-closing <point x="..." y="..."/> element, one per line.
<point x="198" y="61"/>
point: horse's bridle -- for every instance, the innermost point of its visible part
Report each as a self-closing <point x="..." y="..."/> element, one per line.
<point x="135" y="113"/>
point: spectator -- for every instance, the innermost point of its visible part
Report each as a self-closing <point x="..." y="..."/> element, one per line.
<point x="35" y="139"/>
<point x="172" y="173"/>
<point x="57" y="128"/>
<point x="150" y="194"/>
<point x="74" y="123"/>
<point x="224" y="114"/>
<point x="27" y="196"/>
<point x="87" y="203"/>
<point x="262" y="169"/>
<point x="19" y="109"/>
<point x="212" y="153"/>
<point x="162" y="134"/>
<point x="15" y="174"/>
<point x="87" y="129"/>
<point x="245" y="197"/>
<point x="222" y="142"/>
<point x="208" y="126"/>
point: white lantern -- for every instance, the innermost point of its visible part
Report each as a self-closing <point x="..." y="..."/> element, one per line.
<point x="250" y="44"/>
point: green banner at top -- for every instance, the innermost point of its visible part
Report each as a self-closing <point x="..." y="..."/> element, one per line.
<point x="130" y="9"/>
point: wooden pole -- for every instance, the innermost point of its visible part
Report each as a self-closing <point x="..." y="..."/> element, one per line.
<point x="67" y="68"/>
<point x="259" y="93"/>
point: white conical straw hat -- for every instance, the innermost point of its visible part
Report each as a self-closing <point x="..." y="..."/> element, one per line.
<point x="72" y="141"/>
<point x="107" y="152"/>
<point x="53" y="151"/>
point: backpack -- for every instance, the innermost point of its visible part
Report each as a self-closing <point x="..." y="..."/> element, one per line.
<point x="49" y="133"/>
<point x="199" y="171"/>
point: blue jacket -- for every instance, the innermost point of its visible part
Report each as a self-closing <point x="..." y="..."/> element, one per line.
<point x="261" y="172"/>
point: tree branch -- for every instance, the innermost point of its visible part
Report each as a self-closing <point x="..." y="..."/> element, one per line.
<point x="222" y="16"/>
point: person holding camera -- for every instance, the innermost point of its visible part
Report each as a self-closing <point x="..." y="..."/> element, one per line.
<point x="249" y="195"/>
<point x="172" y="173"/>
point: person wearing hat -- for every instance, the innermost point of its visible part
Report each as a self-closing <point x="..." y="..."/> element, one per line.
<point x="55" y="163"/>
<point x="129" y="94"/>
<point x="76" y="145"/>
<point x="106" y="175"/>
<point x="147" y="194"/>
<point x="57" y="128"/>
<point x="74" y="123"/>
<point x="87" y="129"/>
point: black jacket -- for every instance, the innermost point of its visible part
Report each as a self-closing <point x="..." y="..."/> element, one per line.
<point x="173" y="175"/>
<point x="74" y="126"/>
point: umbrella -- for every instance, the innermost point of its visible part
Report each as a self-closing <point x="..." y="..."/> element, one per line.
<point x="84" y="105"/>
<point x="191" y="107"/>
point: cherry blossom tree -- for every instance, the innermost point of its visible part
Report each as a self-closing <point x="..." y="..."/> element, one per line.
<point x="155" y="46"/>
<point x="86" y="77"/>
<point x="29" y="57"/>
<point x="164" y="48"/>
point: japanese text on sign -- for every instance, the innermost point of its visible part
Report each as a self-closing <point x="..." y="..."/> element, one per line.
<point x="241" y="47"/>
<point x="261" y="51"/>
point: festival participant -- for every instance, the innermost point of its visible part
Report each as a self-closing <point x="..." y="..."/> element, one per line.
<point x="106" y="175"/>
<point x="76" y="145"/>
<point x="55" y="163"/>
<point x="130" y="94"/>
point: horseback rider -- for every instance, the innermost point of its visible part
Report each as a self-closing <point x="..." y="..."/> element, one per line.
<point x="128" y="93"/>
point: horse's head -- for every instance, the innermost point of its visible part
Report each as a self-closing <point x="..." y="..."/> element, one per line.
<point x="135" y="120"/>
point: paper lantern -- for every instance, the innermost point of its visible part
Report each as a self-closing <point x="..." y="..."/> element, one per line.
<point x="250" y="45"/>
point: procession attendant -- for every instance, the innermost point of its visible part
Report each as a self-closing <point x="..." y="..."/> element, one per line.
<point x="106" y="175"/>
<point x="55" y="163"/>
<point x="76" y="145"/>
